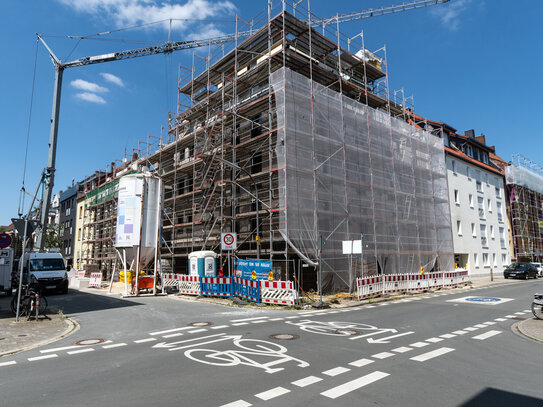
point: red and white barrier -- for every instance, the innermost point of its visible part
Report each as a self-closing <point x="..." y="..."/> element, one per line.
<point x="188" y="284"/>
<point x="170" y="279"/>
<point x="277" y="292"/>
<point x="95" y="280"/>
<point x="396" y="283"/>
<point x="369" y="287"/>
<point x="80" y="273"/>
<point x="418" y="282"/>
<point x="435" y="279"/>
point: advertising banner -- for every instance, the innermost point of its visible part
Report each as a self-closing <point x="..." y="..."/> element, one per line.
<point x="252" y="269"/>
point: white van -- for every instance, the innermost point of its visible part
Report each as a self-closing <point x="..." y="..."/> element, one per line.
<point x="48" y="268"/>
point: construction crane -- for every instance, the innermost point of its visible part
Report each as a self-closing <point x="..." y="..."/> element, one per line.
<point x="165" y="48"/>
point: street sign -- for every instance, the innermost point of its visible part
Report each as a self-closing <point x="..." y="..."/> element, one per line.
<point x="19" y="225"/>
<point x="229" y="241"/>
<point x="5" y="240"/>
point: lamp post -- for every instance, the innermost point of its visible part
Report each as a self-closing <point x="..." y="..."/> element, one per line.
<point x="237" y="167"/>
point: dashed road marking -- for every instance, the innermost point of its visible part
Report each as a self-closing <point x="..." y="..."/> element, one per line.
<point x="219" y="327"/>
<point x="487" y="335"/>
<point x="355" y="384"/>
<point x="173" y="335"/>
<point x="11" y="362"/>
<point x="434" y="340"/>
<point x="382" y="355"/>
<point x="361" y="362"/>
<point x="479" y="326"/>
<point x="270" y="394"/>
<point x="500" y="319"/>
<point x="75" y="352"/>
<point x="259" y="321"/>
<point x="447" y="336"/>
<point x="279" y="319"/>
<point x="470" y="329"/>
<point x="167" y="331"/>
<point x="527" y="310"/>
<point x="402" y="349"/>
<point x="238" y="403"/>
<point x="336" y="371"/>
<point x="240" y="323"/>
<point x="419" y="344"/>
<point x="520" y="313"/>
<point x="247" y="319"/>
<point x="197" y="330"/>
<point x="306" y="381"/>
<point x="52" y="355"/>
<point x="291" y="317"/>
<point x="459" y="332"/>
<point x="115" y="345"/>
<point x="510" y="316"/>
<point x="145" y="340"/>
<point x="433" y="354"/>
<point x="488" y="323"/>
<point x="62" y="348"/>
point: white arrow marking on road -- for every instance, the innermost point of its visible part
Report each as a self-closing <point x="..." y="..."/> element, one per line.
<point x="169" y="345"/>
<point x="376" y="332"/>
<point x="384" y="340"/>
<point x="225" y="338"/>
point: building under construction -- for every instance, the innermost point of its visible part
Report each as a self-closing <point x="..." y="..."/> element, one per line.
<point x="524" y="181"/>
<point x="291" y="140"/>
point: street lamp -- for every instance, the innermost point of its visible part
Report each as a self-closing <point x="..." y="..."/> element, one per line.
<point x="237" y="167"/>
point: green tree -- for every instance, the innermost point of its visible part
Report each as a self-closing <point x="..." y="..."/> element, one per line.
<point x="52" y="238"/>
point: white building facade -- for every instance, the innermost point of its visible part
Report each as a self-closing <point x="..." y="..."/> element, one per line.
<point x="478" y="210"/>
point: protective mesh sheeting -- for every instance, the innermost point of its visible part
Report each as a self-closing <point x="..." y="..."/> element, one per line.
<point x="517" y="175"/>
<point x="347" y="171"/>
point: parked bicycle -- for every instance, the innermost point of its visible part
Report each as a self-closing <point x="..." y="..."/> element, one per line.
<point x="33" y="303"/>
<point x="537" y="306"/>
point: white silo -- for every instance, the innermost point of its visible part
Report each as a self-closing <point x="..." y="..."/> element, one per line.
<point x="138" y="218"/>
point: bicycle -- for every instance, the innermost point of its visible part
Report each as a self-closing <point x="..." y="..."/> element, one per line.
<point x="33" y="303"/>
<point x="537" y="306"/>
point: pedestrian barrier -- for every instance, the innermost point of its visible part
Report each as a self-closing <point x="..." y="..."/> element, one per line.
<point x="170" y="280"/>
<point x="188" y="284"/>
<point x="248" y="289"/>
<point x="396" y="283"/>
<point x="278" y="292"/>
<point x="369" y="287"/>
<point x="80" y="273"/>
<point x="215" y="286"/>
<point x="450" y="279"/>
<point x="95" y="280"/>
<point x="418" y="282"/>
<point x="435" y="279"/>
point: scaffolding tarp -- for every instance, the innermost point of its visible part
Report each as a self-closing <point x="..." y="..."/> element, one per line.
<point x="524" y="177"/>
<point x="348" y="171"/>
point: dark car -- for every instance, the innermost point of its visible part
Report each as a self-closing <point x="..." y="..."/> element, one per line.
<point x="521" y="270"/>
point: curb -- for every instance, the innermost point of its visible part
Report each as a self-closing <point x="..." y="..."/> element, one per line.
<point x="517" y="328"/>
<point x="72" y="326"/>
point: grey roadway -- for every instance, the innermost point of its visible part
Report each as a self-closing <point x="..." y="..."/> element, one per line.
<point x="415" y="352"/>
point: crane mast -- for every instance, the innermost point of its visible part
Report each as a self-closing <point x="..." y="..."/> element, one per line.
<point x="166" y="48"/>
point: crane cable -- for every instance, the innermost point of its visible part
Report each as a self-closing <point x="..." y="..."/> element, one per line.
<point x="23" y="191"/>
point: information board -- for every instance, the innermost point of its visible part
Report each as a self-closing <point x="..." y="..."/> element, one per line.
<point x="252" y="269"/>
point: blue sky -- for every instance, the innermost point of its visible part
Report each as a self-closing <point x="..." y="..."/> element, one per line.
<point x="471" y="63"/>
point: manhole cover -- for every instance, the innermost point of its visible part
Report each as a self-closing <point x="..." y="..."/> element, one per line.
<point x="346" y="332"/>
<point x="201" y="323"/>
<point x="86" y="342"/>
<point x="284" y="337"/>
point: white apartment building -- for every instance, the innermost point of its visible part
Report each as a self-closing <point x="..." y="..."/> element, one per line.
<point x="478" y="205"/>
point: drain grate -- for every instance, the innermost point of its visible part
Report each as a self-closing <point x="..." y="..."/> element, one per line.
<point x="284" y="337"/>
<point x="201" y="324"/>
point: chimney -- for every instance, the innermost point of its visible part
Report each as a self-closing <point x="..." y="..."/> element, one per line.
<point x="470" y="133"/>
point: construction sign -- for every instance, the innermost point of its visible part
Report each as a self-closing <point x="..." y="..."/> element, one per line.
<point x="252" y="269"/>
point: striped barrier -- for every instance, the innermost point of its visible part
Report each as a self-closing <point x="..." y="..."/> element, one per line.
<point x="435" y="279"/>
<point x="396" y="283"/>
<point x="95" y="280"/>
<point x="188" y="284"/>
<point x="170" y="280"/>
<point x="248" y="289"/>
<point x="369" y="287"/>
<point x="215" y="286"/>
<point x="417" y="282"/>
<point x="80" y="273"/>
<point x="278" y="292"/>
<point x="449" y="279"/>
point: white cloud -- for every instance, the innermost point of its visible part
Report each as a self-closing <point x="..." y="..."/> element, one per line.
<point x="449" y="13"/>
<point x="132" y="12"/>
<point x="91" y="97"/>
<point x="112" y="79"/>
<point x="88" y="86"/>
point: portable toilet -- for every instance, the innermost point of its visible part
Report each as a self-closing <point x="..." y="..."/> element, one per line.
<point x="203" y="263"/>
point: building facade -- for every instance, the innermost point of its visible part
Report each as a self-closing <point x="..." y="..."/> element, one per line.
<point x="67" y="218"/>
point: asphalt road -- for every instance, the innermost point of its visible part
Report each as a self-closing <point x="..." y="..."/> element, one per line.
<point x="436" y="350"/>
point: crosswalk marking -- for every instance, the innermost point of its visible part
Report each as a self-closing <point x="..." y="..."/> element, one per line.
<point x="355" y="384"/>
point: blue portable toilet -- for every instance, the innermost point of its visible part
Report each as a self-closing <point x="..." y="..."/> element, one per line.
<point x="203" y="263"/>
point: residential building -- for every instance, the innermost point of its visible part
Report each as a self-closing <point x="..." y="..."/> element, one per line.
<point x="67" y="205"/>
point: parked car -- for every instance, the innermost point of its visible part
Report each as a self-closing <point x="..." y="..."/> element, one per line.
<point x="520" y="270"/>
<point x="539" y="268"/>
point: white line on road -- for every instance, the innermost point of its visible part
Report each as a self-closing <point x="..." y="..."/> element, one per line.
<point x="115" y="345"/>
<point x="259" y="321"/>
<point x="270" y="394"/>
<point x="53" y="355"/>
<point x="240" y="323"/>
<point x="527" y="310"/>
<point x="307" y="381"/>
<point x="500" y="319"/>
<point x="170" y="330"/>
<point x="510" y="316"/>
<point x="197" y="330"/>
<point x="145" y="340"/>
<point x="419" y="344"/>
<point x="479" y="326"/>
<point x="488" y="323"/>
<point x="402" y="349"/>
<point x="173" y="335"/>
<point x="487" y="335"/>
<point x="361" y="362"/>
<point x="247" y="319"/>
<point x="62" y="348"/>
<point x="292" y="317"/>
<point x="219" y="327"/>
<point x="470" y="329"/>
<point x="336" y="371"/>
<point x="11" y="362"/>
<point x="355" y="384"/>
<point x="434" y="340"/>
<point x="459" y="332"/>
<point x="75" y="352"/>
<point x="238" y="403"/>
<point x="382" y="355"/>
<point x="520" y="313"/>
<point x="433" y="354"/>
<point x="447" y="336"/>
